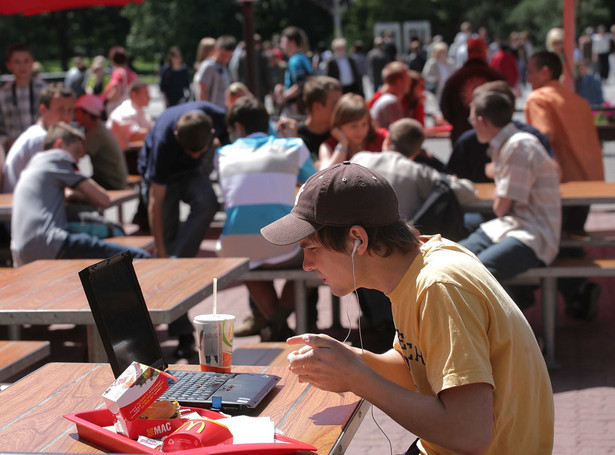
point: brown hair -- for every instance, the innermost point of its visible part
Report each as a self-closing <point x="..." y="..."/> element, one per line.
<point x="64" y="131"/>
<point x="406" y="136"/>
<point x="393" y="71"/>
<point x="550" y="60"/>
<point x="194" y="131"/>
<point x="317" y="88"/>
<point x="495" y="107"/>
<point x="54" y="90"/>
<point x="351" y="108"/>
<point x="415" y="78"/>
<point x="401" y="236"/>
<point x="249" y="113"/>
<point x="496" y="86"/>
<point x="294" y="34"/>
<point x="17" y="47"/>
<point x="204" y="49"/>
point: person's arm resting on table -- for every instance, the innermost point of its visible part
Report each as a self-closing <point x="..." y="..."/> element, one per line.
<point x="458" y="418"/>
<point x="88" y="191"/>
<point x="157" y="193"/>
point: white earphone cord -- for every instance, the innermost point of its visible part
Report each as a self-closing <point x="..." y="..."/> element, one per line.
<point x="354" y="279"/>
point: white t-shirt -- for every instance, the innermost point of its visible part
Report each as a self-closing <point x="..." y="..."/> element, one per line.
<point x="127" y="119"/>
<point x="29" y="143"/>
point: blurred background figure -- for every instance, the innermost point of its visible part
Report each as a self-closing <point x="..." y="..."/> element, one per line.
<point x="95" y="76"/>
<point x="174" y="78"/>
<point x="75" y="77"/>
<point x="376" y="59"/>
<point x="437" y="69"/>
<point x="343" y="68"/>
<point x="122" y="76"/>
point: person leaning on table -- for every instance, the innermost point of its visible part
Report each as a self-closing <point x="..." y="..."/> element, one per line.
<point x="465" y="373"/>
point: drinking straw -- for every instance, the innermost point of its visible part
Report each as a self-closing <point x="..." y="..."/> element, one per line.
<point x="215" y="295"/>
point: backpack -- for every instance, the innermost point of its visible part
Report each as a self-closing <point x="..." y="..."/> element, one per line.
<point x="441" y="213"/>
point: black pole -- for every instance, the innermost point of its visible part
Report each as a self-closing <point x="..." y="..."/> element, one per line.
<point x="248" y="35"/>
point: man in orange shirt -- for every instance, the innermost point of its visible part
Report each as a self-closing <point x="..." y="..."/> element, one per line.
<point x="566" y="119"/>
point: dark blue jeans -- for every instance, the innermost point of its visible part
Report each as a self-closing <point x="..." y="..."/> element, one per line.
<point x="183" y="240"/>
<point x="85" y="246"/>
<point x="505" y="259"/>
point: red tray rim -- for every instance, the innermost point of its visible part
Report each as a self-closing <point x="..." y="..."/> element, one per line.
<point x="92" y="432"/>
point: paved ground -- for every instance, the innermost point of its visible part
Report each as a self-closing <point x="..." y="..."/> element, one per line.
<point x="584" y="385"/>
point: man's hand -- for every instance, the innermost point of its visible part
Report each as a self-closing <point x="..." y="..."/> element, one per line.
<point x="287" y="127"/>
<point x="325" y="363"/>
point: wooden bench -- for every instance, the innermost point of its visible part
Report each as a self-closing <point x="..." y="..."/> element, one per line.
<point x="547" y="277"/>
<point x="302" y="279"/>
<point x="133" y="181"/>
<point x="16" y="356"/>
<point x="588" y="239"/>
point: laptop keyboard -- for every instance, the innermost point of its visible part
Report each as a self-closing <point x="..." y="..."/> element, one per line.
<point x="194" y="386"/>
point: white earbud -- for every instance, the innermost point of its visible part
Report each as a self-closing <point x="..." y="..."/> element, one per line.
<point x="354" y="249"/>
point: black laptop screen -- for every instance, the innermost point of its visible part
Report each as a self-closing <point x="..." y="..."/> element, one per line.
<point x="121" y="316"/>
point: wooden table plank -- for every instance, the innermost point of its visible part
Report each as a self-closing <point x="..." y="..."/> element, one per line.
<point x="46" y="292"/>
<point x="572" y="193"/>
<point x="34" y="407"/>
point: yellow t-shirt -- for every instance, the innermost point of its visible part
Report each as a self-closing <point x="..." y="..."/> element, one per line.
<point x="456" y="326"/>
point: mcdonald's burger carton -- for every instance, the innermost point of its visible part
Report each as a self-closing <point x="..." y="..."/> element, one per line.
<point x="132" y="400"/>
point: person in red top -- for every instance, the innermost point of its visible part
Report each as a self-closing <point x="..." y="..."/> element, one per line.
<point x="122" y="76"/>
<point x="351" y="132"/>
<point x="505" y="62"/>
<point x="414" y="101"/>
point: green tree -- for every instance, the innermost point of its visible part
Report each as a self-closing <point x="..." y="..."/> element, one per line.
<point x="538" y="17"/>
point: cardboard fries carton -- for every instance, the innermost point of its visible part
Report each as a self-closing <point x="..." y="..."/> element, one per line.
<point x="134" y="390"/>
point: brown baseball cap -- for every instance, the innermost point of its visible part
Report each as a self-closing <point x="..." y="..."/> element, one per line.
<point x="344" y="195"/>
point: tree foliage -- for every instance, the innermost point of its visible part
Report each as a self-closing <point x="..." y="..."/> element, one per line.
<point x="149" y="28"/>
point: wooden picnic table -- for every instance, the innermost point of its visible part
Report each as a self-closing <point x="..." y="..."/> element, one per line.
<point x="50" y="292"/>
<point x="33" y="407"/>
<point x="117" y="199"/>
<point x="572" y="193"/>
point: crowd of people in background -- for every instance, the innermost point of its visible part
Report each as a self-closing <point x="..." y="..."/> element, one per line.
<point x="309" y="110"/>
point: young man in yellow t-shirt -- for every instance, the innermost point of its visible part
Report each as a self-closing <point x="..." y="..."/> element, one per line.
<point x="465" y="373"/>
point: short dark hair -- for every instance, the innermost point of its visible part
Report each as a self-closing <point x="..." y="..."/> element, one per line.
<point x="249" y="113"/>
<point x="550" y="60"/>
<point x="118" y="55"/>
<point x="406" y="136"/>
<point x="496" y="86"/>
<point x="317" y="88"/>
<point x="393" y="71"/>
<point x="194" y="131"/>
<point x="54" y="90"/>
<point x="295" y="34"/>
<point x="383" y="240"/>
<point x="495" y="107"/>
<point x="17" y="47"/>
<point x="226" y="42"/>
<point x="64" y="131"/>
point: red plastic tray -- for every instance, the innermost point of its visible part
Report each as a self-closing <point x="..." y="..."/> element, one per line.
<point x="90" y="426"/>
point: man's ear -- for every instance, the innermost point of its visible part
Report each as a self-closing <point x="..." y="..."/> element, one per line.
<point x="386" y="145"/>
<point x="58" y="144"/>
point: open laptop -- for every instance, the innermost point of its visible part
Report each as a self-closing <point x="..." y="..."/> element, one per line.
<point x="128" y="335"/>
